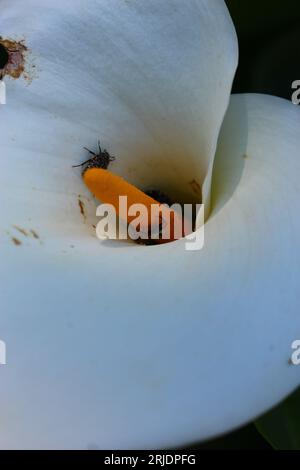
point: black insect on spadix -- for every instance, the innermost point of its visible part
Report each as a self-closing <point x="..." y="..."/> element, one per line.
<point x="101" y="159"/>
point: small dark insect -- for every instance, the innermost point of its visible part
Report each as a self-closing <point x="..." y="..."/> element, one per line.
<point x="101" y="159"/>
<point x="159" y="196"/>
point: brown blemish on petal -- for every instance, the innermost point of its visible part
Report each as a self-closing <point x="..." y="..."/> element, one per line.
<point x="195" y="187"/>
<point x="21" y="230"/>
<point x="34" y="234"/>
<point x="27" y="233"/>
<point x="16" y="241"/>
<point x="81" y="207"/>
<point x="16" y="52"/>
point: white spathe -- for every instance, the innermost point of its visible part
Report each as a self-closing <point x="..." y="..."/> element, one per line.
<point x="120" y="346"/>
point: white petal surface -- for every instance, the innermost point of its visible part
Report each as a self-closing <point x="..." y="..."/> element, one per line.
<point x="112" y="345"/>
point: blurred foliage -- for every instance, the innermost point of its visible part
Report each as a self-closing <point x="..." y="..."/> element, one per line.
<point x="246" y="438"/>
<point x="281" y="427"/>
<point x="263" y="17"/>
<point x="269" y="41"/>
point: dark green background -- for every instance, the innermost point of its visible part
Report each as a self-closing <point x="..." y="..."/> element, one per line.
<point x="269" y="41"/>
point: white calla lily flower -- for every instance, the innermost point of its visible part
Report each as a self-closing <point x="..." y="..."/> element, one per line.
<point x="124" y="346"/>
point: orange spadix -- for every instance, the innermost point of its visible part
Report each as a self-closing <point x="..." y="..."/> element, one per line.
<point x="108" y="187"/>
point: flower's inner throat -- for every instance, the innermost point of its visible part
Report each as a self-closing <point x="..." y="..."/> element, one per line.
<point x="151" y="215"/>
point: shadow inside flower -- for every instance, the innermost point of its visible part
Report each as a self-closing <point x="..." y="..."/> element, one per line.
<point x="229" y="165"/>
